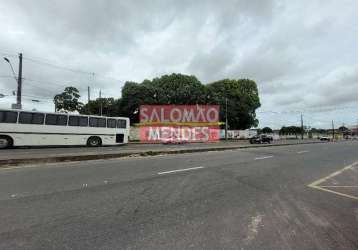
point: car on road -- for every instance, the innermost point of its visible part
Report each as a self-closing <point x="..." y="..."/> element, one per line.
<point x="324" y="138"/>
<point x="259" y="139"/>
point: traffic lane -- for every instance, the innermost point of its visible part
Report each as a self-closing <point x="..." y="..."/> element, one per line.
<point x="59" y="177"/>
<point x="218" y="207"/>
<point x="18" y="153"/>
<point x="117" y="216"/>
<point x="295" y="169"/>
<point x="59" y="151"/>
<point x="330" y="157"/>
<point x="156" y="216"/>
<point x="279" y="211"/>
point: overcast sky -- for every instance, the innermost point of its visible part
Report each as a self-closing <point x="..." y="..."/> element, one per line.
<point x="302" y="54"/>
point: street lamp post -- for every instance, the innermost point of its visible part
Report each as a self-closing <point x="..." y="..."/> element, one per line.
<point x="12" y="69"/>
<point x="19" y="81"/>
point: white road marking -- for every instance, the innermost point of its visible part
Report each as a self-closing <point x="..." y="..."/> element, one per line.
<point x="263" y="157"/>
<point x="253" y="228"/>
<point x="338" y="186"/>
<point x="180" y="170"/>
<point x="316" y="184"/>
<point x="302" y="152"/>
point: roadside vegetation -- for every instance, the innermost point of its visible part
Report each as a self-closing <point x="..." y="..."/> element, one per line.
<point x="241" y="96"/>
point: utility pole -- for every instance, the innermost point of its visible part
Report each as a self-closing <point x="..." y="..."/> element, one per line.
<point x="332" y="130"/>
<point x="88" y="99"/>
<point x="19" y="83"/>
<point x="226" y="125"/>
<point x="100" y="101"/>
<point x="301" y="126"/>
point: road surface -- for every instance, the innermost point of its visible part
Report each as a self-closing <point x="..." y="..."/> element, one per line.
<point x="296" y="197"/>
<point x="40" y="152"/>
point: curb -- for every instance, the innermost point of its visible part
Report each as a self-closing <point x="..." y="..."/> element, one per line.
<point x="14" y="162"/>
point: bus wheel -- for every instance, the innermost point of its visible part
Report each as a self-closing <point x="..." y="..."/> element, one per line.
<point x="5" y="142"/>
<point x="94" y="141"/>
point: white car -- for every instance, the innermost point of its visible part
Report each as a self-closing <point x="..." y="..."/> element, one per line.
<point x="324" y="138"/>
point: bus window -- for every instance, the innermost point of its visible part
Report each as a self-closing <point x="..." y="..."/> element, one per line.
<point x="8" y="117"/>
<point x="93" y="122"/>
<point x="59" y="120"/>
<point x="31" y="118"/>
<point x="97" y="122"/>
<point x="111" y="123"/>
<point x="74" y="121"/>
<point x="51" y="119"/>
<point x="121" y="123"/>
<point x="102" y="122"/>
<point x="37" y="118"/>
<point x="83" y="121"/>
<point x="25" y="118"/>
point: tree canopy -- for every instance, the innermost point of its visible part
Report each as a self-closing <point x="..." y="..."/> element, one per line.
<point x="291" y="130"/>
<point x="267" y="130"/>
<point x="242" y="101"/>
<point x="343" y="129"/>
<point x="241" y="95"/>
<point x="68" y="100"/>
<point x="109" y="107"/>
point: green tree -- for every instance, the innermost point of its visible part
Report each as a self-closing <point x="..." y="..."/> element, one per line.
<point x="343" y="129"/>
<point x="267" y="130"/>
<point x="291" y="130"/>
<point x="134" y="95"/>
<point x="283" y="131"/>
<point x="242" y="96"/>
<point x="68" y="100"/>
<point x="242" y="99"/>
<point x="167" y="89"/>
<point x="109" y="107"/>
<point x="176" y="89"/>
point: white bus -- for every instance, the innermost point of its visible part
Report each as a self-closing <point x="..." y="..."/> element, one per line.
<point x="29" y="128"/>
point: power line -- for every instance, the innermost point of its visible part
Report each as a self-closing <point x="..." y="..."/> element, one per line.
<point x="40" y="83"/>
<point x="45" y="62"/>
<point x="53" y="65"/>
<point x="56" y="66"/>
<point x="38" y="97"/>
<point x="318" y="110"/>
<point x="8" y="54"/>
<point x="47" y="82"/>
<point x="30" y="96"/>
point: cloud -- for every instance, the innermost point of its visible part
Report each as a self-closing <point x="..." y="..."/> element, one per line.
<point x="302" y="54"/>
<point x="339" y="87"/>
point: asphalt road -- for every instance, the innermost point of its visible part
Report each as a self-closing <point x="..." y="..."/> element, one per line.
<point x="39" y="152"/>
<point x="255" y="198"/>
